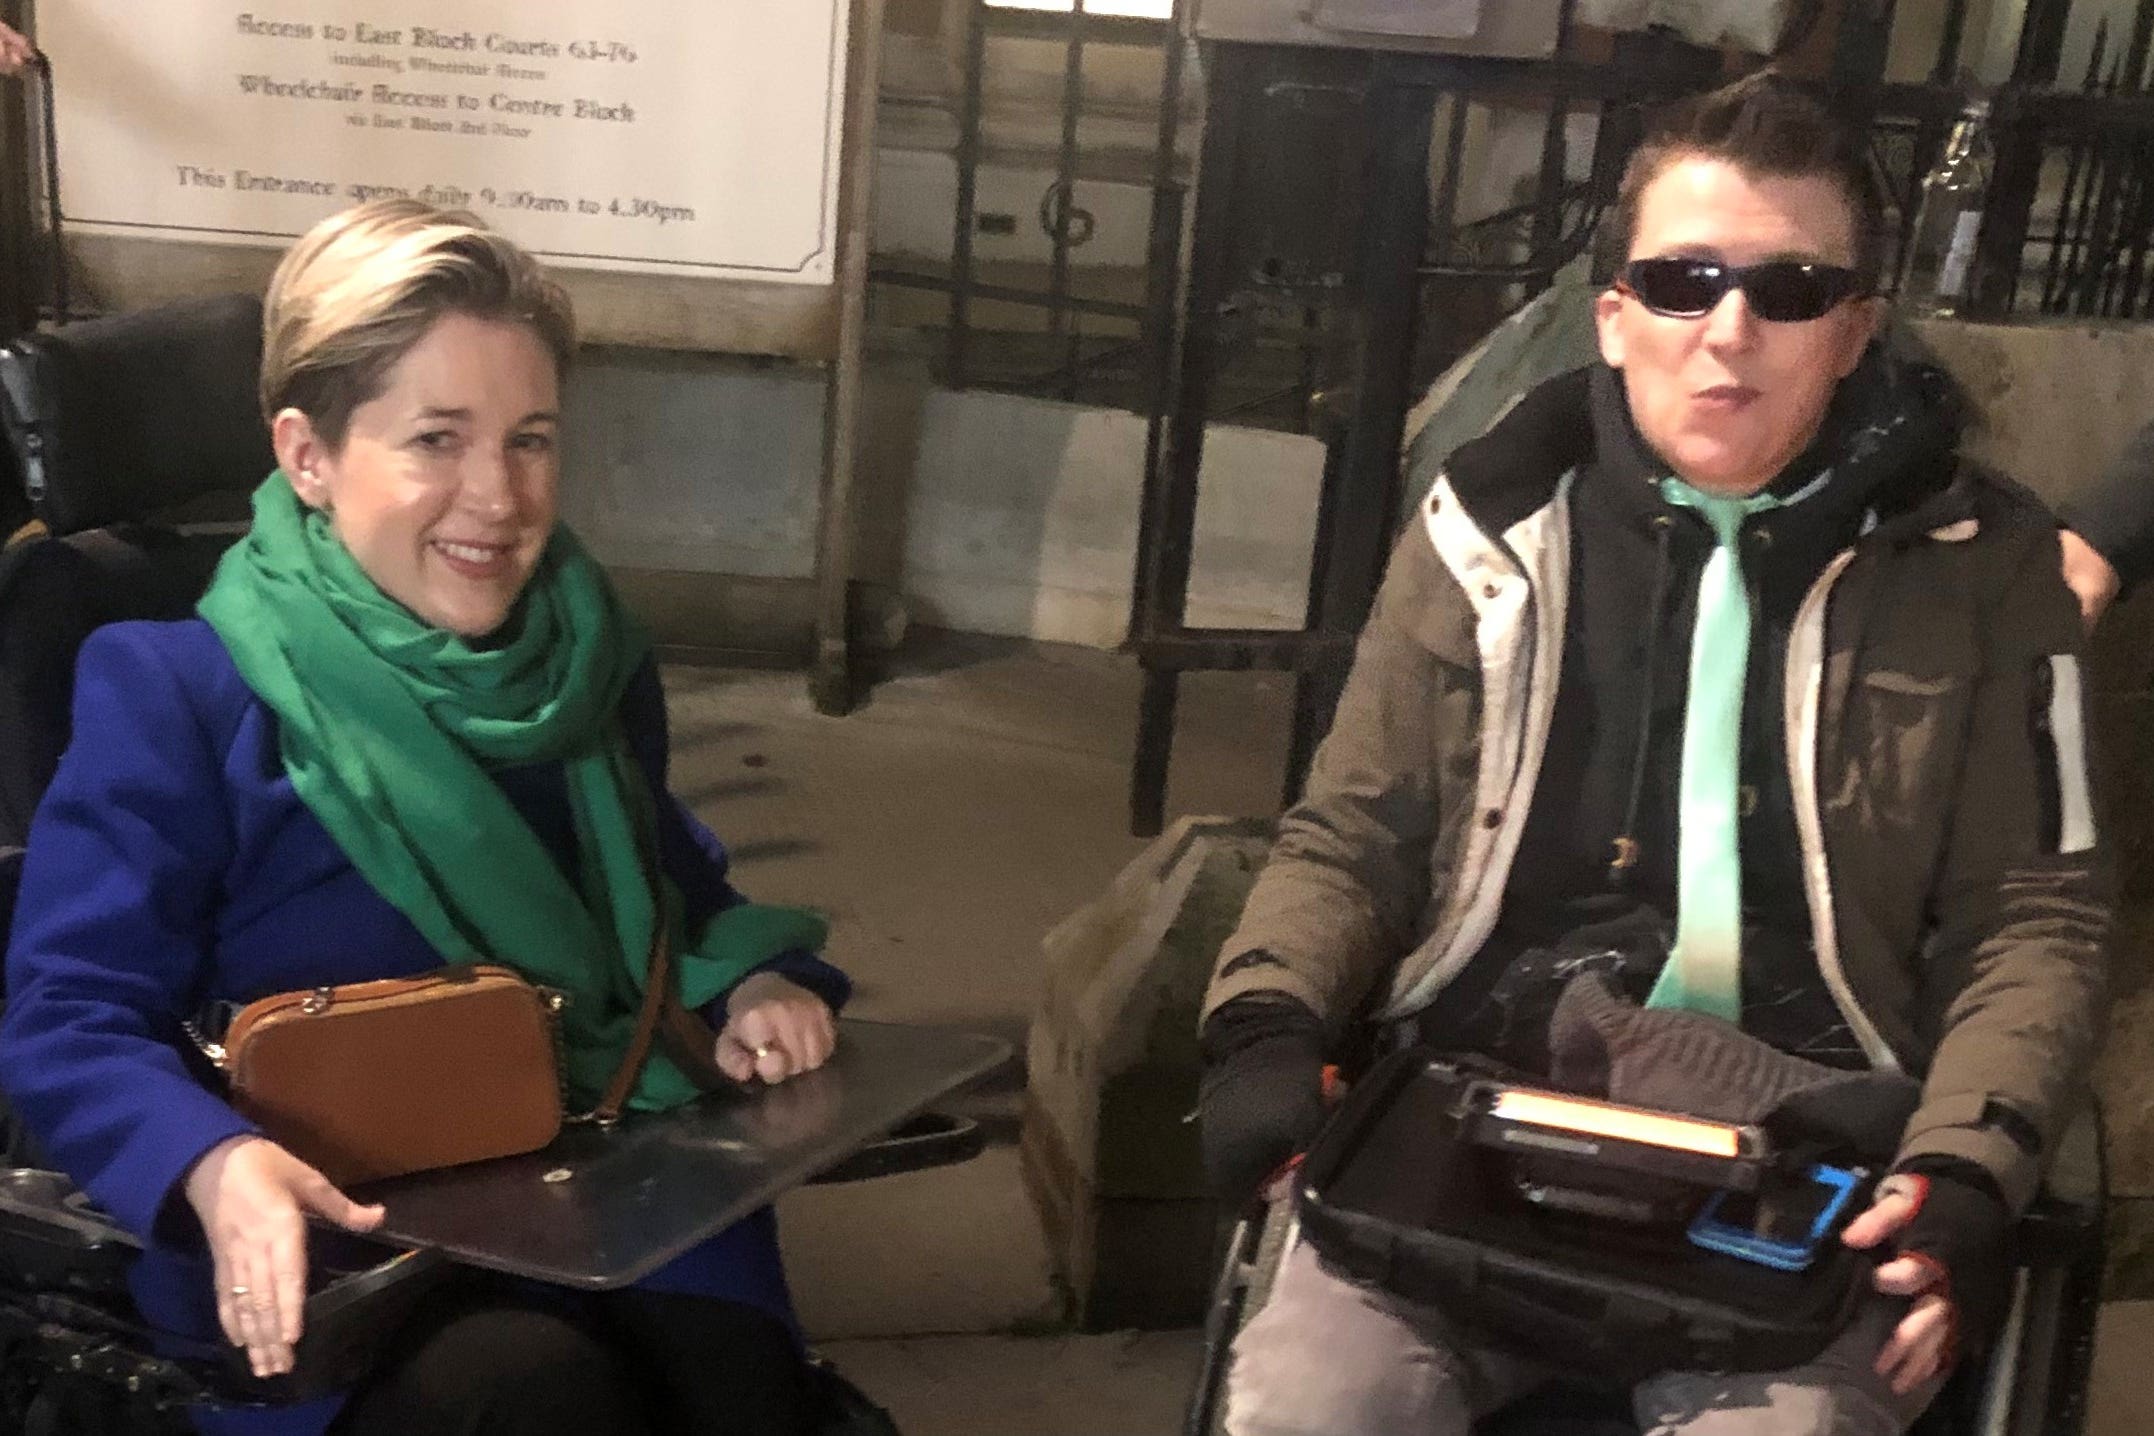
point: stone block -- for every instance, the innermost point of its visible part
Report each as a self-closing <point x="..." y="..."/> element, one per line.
<point x="1109" y="1145"/>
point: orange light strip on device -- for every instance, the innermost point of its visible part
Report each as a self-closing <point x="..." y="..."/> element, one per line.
<point x="1601" y="1119"/>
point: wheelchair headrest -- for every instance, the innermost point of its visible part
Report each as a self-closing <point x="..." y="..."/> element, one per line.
<point x="119" y="418"/>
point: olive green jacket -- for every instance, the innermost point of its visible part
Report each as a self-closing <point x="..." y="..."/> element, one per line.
<point x="1935" y="719"/>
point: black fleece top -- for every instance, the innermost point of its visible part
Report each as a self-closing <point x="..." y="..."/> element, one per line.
<point x="1614" y="760"/>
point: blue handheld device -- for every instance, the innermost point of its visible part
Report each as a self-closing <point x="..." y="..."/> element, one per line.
<point x="1782" y="1225"/>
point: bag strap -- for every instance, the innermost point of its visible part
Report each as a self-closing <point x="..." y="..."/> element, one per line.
<point x="658" y="995"/>
<point x="688" y="1038"/>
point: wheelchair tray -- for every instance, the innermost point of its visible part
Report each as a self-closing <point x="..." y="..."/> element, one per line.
<point x="602" y="1207"/>
<point x="1396" y="1194"/>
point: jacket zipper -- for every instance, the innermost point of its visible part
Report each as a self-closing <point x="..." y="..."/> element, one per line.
<point x="1530" y="751"/>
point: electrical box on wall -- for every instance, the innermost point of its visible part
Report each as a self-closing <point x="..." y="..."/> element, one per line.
<point x="1505" y="28"/>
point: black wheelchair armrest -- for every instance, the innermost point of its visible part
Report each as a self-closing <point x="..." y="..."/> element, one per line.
<point x="932" y="1139"/>
<point x="63" y="1268"/>
<point x="51" y="1240"/>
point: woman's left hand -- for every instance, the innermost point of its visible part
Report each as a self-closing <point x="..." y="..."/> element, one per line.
<point x="774" y="1029"/>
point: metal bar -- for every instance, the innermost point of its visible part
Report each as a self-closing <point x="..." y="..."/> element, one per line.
<point x="2095" y="152"/>
<point x="2142" y="228"/>
<point x="2135" y="254"/>
<point x="830" y="684"/>
<point x="1281" y="650"/>
<point x="1059" y="319"/>
<point x="1858" y="61"/>
<point x="2075" y="161"/>
<point x="2041" y="44"/>
<point x="1162" y="279"/>
<point x="2112" y="267"/>
<point x="1998" y="250"/>
<point x="1235" y="77"/>
<point x="2113" y="116"/>
<point x="1313" y="695"/>
<point x="48" y="125"/>
<point x="957" y="341"/>
<point x="1394" y="223"/>
<point x="1054" y="25"/>
<point x="2140" y="213"/>
<point x="2100" y="228"/>
<point x="1946" y="67"/>
<point x="1309" y="368"/>
<point x="18" y="205"/>
<point x="1445" y="215"/>
<point x="1156" y="703"/>
<point x="2135" y="47"/>
<point x="1546" y="235"/>
<point x="1394" y="228"/>
<point x="1001" y="293"/>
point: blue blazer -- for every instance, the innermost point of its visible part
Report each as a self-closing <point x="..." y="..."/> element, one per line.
<point x="171" y="865"/>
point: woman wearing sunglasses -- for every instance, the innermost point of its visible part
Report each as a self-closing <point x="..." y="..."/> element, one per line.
<point x="1714" y="661"/>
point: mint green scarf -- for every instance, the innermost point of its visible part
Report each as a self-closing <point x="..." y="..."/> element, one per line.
<point x="388" y="725"/>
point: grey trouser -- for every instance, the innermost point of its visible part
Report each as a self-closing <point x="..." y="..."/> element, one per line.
<point x="1328" y="1356"/>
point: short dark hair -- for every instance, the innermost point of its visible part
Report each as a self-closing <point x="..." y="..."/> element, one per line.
<point x="1765" y="125"/>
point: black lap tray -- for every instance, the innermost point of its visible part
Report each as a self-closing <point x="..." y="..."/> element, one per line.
<point x="603" y="1207"/>
<point x="1395" y="1197"/>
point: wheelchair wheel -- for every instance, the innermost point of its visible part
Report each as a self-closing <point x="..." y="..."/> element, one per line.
<point x="1254" y="1252"/>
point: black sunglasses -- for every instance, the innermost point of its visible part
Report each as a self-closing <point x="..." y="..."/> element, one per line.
<point x="1784" y="291"/>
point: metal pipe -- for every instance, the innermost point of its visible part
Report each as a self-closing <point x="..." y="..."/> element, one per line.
<point x="1001" y="293"/>
<point x="1163" y="561"/>
<point x="1060" y="321"/>
<point x="2102" y="225"/>
<point x="1547" y="233"/>
<point x="957" y="341"/>
<point x="2057" y="276"/>
<point x="1162" y="276"/>
<point x="1948" y="44"/>
<point x="2138" y="216"/>
<point x="1444" y="215"/>
<point x="49" y="127"/>
<point x="2135" y="48"/>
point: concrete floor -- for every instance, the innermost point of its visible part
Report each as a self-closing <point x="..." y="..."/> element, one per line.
<point x="977" y="798"/>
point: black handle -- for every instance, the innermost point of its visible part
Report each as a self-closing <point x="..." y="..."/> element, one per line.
<point x="41" y="65"/>
<point x="932" y="1139"/>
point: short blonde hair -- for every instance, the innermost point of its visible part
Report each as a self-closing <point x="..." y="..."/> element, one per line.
<point x="361" y="288"/>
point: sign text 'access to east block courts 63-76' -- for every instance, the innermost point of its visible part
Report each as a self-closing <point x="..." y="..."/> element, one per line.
<point x="697" y="138"/>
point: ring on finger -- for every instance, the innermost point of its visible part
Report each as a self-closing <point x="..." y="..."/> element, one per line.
<point x="762" y="1050"/>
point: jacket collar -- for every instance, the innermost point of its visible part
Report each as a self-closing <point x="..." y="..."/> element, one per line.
<point x="1888" y="438"/>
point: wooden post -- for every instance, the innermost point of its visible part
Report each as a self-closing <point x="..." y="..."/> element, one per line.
<point x="830" y="681"/>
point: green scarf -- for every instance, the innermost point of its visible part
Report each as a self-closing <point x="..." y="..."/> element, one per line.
<point x="388" y="726"/>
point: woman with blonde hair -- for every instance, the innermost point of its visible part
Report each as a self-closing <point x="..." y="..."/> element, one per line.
<point x="411" y="725"/>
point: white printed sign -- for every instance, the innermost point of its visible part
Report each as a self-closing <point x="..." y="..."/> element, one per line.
<point x="687" y="137"/>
